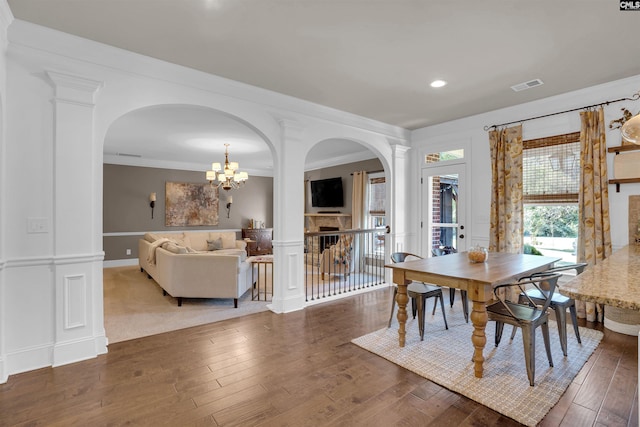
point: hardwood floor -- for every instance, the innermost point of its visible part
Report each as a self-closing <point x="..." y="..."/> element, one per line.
<point x="298" y="369"/>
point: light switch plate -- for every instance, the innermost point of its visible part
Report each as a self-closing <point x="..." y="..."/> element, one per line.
<point x="37" y="225"/>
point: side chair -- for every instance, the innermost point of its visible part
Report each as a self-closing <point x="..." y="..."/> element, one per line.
<point x="559" y="304"/>
<point x="525" y="316"/>
<point x="452" y="291"/>
<point x="418" y="292"/>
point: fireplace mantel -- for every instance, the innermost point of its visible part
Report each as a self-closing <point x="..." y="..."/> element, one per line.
<point x="315" y="220"/>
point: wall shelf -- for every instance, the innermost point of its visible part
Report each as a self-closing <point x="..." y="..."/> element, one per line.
<point x="617" y="182"/>
<point x="618" y="149"/>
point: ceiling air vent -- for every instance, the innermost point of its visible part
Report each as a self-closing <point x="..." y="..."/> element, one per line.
<point x="527" y="85"/>
<point x="128" y="155"/>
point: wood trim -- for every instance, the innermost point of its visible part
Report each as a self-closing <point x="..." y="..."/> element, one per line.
<point x="551" y="198"/>
<point x="620" y="148"/>
<point x="549" y="141"/>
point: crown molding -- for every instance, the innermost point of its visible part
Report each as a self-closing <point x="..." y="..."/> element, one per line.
<point x="113" y="159"/>
<point x="6" y="16"/>
<point x="69" y="47"/>
<point x="340" y="160"/>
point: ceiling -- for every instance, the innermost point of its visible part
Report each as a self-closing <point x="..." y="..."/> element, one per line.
<point x="373" y="58"/>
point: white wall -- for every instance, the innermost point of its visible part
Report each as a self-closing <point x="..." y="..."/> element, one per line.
<point x="5" y="19"/>
<point x="471" y="131"/>
<point x="63" y="95"/>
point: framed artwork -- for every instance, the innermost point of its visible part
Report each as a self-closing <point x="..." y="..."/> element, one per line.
<point x="190" y="204"/>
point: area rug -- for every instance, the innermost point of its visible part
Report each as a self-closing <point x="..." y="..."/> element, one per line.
<point x="444" y="357"/>
<point x="134" y="307"/>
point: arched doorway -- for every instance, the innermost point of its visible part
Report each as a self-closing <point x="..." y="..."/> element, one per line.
<point x="148" y="148"/>
<point x="345" y="234"/>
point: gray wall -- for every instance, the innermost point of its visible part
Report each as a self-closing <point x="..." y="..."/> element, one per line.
<point x="126" y="205"/>
<point x="343" y="171"/>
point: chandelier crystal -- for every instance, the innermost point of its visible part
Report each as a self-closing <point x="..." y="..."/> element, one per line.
<point x="229" y="177"/>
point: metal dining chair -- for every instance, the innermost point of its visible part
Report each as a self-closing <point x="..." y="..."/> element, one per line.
<point x="419" y="293"/>
<point x="559" y="304"/>
<point x="527" y="317"/>
<point x="452" y="291"/>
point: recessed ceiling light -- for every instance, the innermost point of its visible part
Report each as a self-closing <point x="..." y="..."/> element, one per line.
<point x="438" y="83"/>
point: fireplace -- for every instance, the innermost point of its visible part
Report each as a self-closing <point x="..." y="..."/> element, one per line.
<point x="326" y="241"/>
<point x="314" y="221"/>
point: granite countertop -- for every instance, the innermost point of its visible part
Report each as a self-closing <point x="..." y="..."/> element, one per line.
<point x="614" y="282"/>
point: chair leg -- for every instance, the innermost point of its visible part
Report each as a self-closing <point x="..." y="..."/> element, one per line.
<point x="421" y="302"/>
<point x="465" y="305"/>
<point x="393" y="305"/>
<point x="499" y="328"/>
<point x="435" y="304"/>
<point x="574" y="320"/>
<point x="413" y="306"/>
<point x="545" y="336"/>
<point x="529" y="342"/>
<point x="513" y="332"/>
<point x="452" y="295"/>
<point x="444" y="315"/>
<point x="521" y="300"/>
<point x="561" y="319"/>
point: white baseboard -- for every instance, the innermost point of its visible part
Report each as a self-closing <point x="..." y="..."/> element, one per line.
<point x="28" y="359"/>
<point x="78" y="350"/>
<point x="3" y="372"/>
<point x="621" y="328"/>
<point x="120" y="263"/>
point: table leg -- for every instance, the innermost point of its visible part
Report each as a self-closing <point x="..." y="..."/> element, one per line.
<point x="401" y="299"/>
<point x="479" y="339"/>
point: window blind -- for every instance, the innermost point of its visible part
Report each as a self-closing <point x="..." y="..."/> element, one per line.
<point x="551" y="169"/>
<point x="377" y="196"/>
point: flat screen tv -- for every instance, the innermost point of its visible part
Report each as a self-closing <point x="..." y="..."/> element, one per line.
<point x="327" y="193"/>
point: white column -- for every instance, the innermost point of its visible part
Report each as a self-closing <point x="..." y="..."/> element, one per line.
<point x="77" y="180"/>
<point x="401" y="205"/>
<point x="288" y="221"/>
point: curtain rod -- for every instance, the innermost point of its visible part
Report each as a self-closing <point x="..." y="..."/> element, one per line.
<point x="635" y="97"/>
<point x="368" y="172"/>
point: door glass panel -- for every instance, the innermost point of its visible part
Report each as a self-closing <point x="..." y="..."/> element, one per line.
<point x="444" y="212"/>
<point x="443" y="230"/>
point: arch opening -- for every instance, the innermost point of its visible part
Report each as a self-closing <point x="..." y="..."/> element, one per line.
<point x="143" y="151"/>
<point x="345" y="234"/>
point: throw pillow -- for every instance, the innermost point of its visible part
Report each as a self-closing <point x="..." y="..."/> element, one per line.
<point x="214" y="245"/>
<point x="174" y="248"/>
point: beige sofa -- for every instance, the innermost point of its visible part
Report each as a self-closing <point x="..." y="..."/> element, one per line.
<point x="184" y="267"/>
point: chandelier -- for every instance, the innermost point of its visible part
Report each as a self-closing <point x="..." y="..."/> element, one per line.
<point x="229" y="177"/>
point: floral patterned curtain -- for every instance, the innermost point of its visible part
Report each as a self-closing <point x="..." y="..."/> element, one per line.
<point x="594" y="235"/>
<point x="507" y="221"/>
<point x="359" y="200"/>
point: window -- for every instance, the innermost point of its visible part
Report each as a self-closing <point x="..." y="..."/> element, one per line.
<point x="377" y="196"/>
<point x="551" y="169"/>
<point x="376" y="211"/>
<point x="444" y="156"/>
<point x="377" y="199"/>
<point x="551" y="177"/>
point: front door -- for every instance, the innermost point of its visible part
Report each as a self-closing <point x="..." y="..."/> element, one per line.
<point x="443" y="215"/>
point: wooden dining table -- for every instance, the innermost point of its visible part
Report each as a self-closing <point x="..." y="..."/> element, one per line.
<point x="478" y="279"/>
